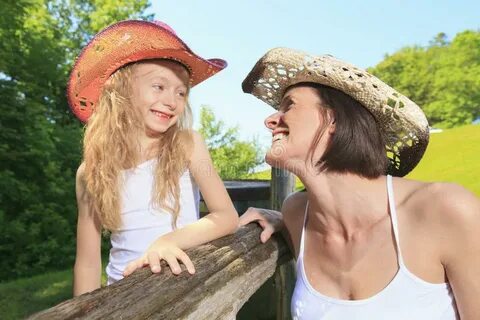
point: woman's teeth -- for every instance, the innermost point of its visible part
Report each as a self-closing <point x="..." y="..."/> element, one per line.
<point x="279" y="136"/>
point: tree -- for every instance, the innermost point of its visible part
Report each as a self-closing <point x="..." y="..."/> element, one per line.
<point x="232" y="157"/>
<point x="40" y="140"/>
<point x="442" y="78"/>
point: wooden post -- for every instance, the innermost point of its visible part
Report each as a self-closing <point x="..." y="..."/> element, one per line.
<point x="283" y="184"/>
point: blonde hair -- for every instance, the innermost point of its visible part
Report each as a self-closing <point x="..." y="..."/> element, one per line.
<point x="111" y="145"/>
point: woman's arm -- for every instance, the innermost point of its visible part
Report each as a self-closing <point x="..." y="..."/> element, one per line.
<point x="87" y="269"/>
<point x="221" y="221"/>
<point x="460" y="213"/>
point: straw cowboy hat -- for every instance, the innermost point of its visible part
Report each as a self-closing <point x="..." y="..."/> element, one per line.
<point x="123" y="43"/>
<point x="402" y="122"/>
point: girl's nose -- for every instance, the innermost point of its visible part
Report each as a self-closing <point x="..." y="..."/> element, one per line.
<point x="169" y="100"/>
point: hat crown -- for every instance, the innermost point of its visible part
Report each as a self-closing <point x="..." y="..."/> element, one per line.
<point x="403" y="124"/>
<point x="164" y="26"/>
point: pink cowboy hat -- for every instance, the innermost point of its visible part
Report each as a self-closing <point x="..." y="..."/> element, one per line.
<point x="123" y="43"/>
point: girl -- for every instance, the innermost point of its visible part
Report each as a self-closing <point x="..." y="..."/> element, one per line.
<point x="142" y="164"/>
<point x="368" y="245"/>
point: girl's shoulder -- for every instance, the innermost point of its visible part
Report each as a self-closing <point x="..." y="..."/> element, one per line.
<point x="80" y="176"/>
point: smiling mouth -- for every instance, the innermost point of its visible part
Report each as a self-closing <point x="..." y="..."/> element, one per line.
<point x="279" y="136"/>
<point x="161" y="115"/>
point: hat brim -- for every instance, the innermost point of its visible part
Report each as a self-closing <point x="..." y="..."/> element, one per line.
<point x="401" y="121"/>
<point x="123" y="43"/>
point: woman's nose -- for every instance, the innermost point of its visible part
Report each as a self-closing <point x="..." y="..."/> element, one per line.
<point x="272" y="121"/>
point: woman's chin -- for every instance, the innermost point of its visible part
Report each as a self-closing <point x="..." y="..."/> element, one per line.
<point x="274" y="160"/>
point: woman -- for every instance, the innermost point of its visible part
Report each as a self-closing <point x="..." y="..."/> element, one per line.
<point x="368" y="245"/>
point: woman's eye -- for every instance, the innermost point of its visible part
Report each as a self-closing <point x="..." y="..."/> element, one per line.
<point x="182" y="94"/>
<point x="158" y="86"/>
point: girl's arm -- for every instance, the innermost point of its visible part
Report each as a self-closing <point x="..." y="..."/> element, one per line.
<point x="221" y="221"/>
<point x="87" y="269"/>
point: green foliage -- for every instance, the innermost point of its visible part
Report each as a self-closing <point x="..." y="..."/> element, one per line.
<point x="233" y="159"/>
<point x="40" y="140"/>
<point x="442" y="78"/>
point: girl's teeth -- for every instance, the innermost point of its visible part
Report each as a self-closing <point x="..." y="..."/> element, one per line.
<point x="162" y="115"/>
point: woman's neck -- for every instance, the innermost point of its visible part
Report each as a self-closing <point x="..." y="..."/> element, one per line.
<point x="344" y="204"/>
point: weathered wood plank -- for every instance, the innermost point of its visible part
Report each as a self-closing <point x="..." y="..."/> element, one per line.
<point x="282" y="184"/>
<point x="228" y="271"/>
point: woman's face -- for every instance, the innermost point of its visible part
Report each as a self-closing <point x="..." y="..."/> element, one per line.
<point x="295" y="127"/>
<point x="160" y="89"/>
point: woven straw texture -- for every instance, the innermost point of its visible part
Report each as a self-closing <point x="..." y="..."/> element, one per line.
<point x="402" y="122"/>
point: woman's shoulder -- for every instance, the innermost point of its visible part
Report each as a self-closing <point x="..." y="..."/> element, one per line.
<point x="438" y="204"/>
<point x="293" y="209"/>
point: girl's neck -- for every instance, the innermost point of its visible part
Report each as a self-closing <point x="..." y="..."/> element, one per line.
<point x="148" y="142"/>
<point x="344" y="204"/>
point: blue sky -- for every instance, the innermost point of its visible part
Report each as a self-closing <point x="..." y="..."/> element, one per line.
<point x="360" y="32"/>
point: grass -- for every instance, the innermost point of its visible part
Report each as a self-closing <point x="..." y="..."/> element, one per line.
<point x="451" y="156"/>
<point x="23" y="297"/>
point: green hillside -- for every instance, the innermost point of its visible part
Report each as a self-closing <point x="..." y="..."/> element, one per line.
<point x="452" y="156"/>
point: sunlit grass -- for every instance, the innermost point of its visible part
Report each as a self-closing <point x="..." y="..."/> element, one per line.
<point x="452" y="156"/>
<point x="23" y="297"/>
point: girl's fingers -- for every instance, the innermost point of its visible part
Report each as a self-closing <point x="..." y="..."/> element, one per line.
<point x="132" y="266"/>
<point x="173" y="263"/>
<point x="185" y="259"/>
<point x="154" y="262"/>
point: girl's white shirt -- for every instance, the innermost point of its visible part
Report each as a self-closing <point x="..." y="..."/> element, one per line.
<point x="142" y="224"/>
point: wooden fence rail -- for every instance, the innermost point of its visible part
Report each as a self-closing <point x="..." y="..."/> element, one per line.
<point x="228" y="271"/>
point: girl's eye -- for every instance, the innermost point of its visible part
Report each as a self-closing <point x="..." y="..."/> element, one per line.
<point x="158" y="86"/>
<point x="182" y="94"/>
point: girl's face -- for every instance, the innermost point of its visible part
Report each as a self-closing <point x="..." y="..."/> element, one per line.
<point x="160" y="91"/>
<point x="295" y="127"/>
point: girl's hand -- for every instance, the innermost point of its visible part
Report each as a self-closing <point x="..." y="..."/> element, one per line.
<point x="270" y="220"/>
<point x="161" y="250"/>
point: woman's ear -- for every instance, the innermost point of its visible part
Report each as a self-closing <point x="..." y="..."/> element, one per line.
<point x="331" y="121"/>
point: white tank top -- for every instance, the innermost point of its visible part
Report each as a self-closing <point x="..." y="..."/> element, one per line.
<point x="141" y="223"/>
<point x="405" y="297"/>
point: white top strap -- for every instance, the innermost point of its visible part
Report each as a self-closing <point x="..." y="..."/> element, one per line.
<point x="393" y="215"/>
<point x="302" y="237"/>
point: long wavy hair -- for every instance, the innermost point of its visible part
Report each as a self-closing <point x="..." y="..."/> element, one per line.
<point x="111" y="145"/>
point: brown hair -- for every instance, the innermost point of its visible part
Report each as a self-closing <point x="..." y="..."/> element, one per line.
<point x="357" y="145"/>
